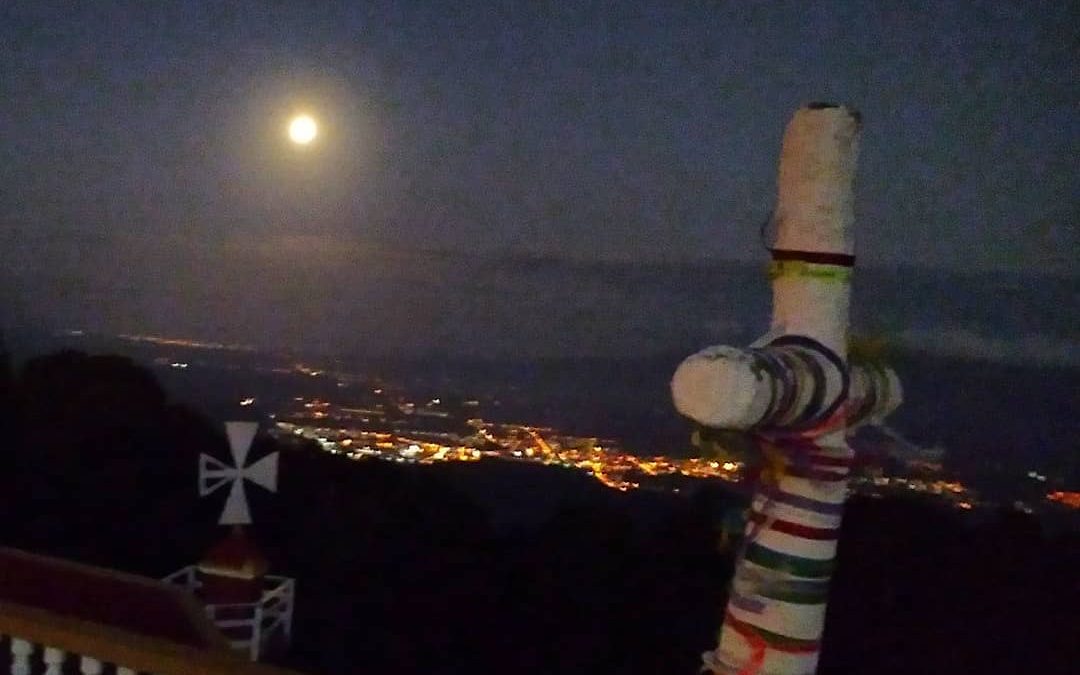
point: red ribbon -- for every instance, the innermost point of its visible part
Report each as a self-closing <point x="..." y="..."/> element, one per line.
<point x="757" y="659"/>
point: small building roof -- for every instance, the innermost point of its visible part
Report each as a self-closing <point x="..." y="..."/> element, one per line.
<point x="235" y="556"/>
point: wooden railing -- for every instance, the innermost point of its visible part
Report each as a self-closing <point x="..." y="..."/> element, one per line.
<point x="94" y="646"/>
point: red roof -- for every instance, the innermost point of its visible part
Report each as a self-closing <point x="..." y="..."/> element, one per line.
<point x="132" y="603"/>
<point x="235" y="556"/>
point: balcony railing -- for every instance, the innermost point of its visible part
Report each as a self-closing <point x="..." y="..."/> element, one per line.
<point x="59" y="617"/>
<point x="40" y="641"/>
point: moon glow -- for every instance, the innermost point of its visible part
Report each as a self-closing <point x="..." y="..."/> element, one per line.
<point x="303" y="130"/>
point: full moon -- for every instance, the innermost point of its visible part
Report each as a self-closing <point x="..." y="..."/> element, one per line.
<point x="302" y="129"/>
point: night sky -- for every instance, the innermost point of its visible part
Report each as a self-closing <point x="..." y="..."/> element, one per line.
<point x="144" y="149"/>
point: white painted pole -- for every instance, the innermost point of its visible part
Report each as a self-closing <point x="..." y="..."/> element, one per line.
<point x="814" y="215"/>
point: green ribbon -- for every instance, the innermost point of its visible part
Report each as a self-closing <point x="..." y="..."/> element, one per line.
<point x="791" y="564"/>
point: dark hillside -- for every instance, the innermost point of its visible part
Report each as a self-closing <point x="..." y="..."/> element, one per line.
<point x="401" y="569"/>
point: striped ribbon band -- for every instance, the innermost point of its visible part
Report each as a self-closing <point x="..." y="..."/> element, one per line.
<point x="814" y="406"/>
<point x="821" y="459"/>
<point x="800" y="353"/>
<point x="808" y="458"/>
<point x="816" y="257"/>
<point x="795" y="597"/>
<point x="777" y="495"/>
<point x="807" y="452"/>
<point x="765" y="583"/>
<point x="797" y="268"/>
<point x="775" y="641"/>
<point x="796" y="529"/>
<point x="791" y="564"/>
<point x="810" y="473"/>
<point x="746" y="604"/>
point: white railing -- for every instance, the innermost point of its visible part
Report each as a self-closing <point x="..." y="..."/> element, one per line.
<point x="39" y="641"/>
<point x="53" y="659"/>
<point x="256" y="622"/>
<point x="184" y="578"/>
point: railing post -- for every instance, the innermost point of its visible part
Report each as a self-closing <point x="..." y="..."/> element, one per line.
<point x="256" y="632"/>
<point x="54" y="660"/>
<point x="90" y="666"/>
<point x="20" y="656"/>
<point x="290" y="591"/>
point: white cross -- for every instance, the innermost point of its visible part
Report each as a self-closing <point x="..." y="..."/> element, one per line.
<point x="214" y="473"/>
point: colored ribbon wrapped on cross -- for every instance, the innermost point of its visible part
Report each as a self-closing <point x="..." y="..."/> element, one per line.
<point x="794" y="387"/>
<point x="768" y="406"/>
<point x="781" y="408"/>
<point x="786" y="404"/>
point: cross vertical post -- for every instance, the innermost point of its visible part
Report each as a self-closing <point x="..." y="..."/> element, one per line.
<point x="792" y="393"/>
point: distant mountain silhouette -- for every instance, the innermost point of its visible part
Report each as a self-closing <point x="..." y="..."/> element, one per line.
<point x="401" y="303"/>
